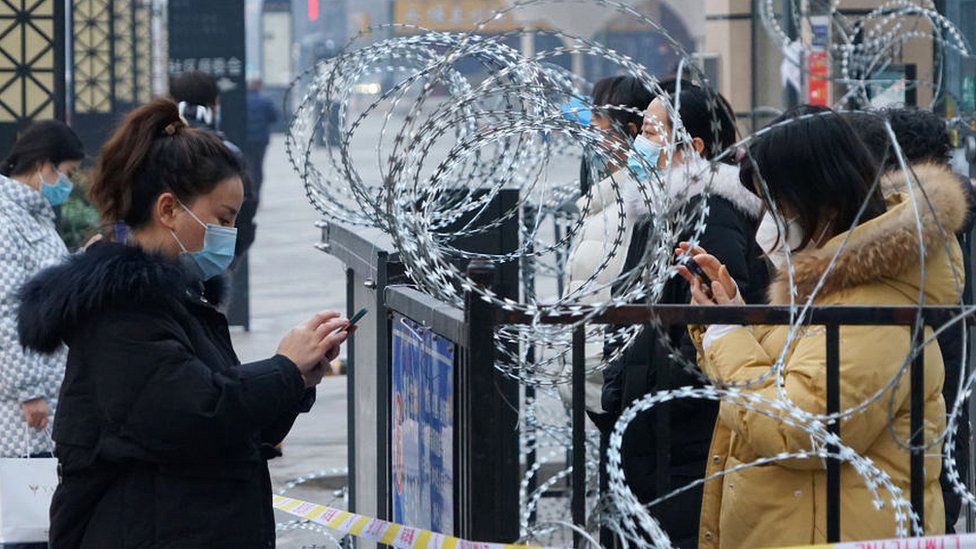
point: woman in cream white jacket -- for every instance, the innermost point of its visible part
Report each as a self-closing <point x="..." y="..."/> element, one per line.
<point x="603" y="226"/>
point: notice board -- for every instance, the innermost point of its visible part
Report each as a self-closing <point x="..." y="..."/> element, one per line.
<point x="422" y="409"/>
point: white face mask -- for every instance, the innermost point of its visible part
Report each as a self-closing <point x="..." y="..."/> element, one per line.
<point x="774" y="242"/>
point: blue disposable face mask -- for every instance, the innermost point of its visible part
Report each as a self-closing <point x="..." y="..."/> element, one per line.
<point x="645" y="154"/>
<point x="575" y="110"/>
<point x="58" y="192"/>
<point x="218" y="248"/>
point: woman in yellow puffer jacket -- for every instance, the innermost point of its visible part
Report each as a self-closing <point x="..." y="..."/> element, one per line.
<point x="819" y="175"/>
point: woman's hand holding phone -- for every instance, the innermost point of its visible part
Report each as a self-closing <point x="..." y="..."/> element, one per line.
<point x="711" y="283"/>
<point x="313" y="341"/>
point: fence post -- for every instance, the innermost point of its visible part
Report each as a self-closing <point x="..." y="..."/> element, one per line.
<point x="833" y="406"/>
<point x="487" y="427"/>
<point x="351" y="392"/>
<point x="579" y="431"/>
<point x="917" y="423"/>
<point x="529" y="217"/>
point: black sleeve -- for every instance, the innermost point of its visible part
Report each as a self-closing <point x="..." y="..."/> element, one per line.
<point x="724" y="237"/>
<point x="633" y="375"/>
<point x="612" y="395"/>
<point x="277" y="431"/>
<point x="613" y="376"/>
<point x="151" y="386"/>
<point x="585" y="179"/>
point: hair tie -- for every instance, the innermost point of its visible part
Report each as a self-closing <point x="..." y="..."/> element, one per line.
<point x="171" y="128"/>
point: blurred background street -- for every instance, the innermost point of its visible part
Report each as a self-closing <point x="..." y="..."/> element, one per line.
<point x="290" y="281"/>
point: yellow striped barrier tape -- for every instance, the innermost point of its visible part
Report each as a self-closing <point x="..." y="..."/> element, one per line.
<point x="373" y="529"/>
<point x="957" y="541"/>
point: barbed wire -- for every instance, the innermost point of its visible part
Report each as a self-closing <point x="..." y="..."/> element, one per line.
<point x="463" y="117"/>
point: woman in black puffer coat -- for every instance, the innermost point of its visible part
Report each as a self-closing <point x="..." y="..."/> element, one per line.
<point x="161" y="435"/>
<point x="682" y="428"/>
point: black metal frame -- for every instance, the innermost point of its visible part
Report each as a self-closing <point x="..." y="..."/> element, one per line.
<point x="486" y="473"/>
<point x="372" y="261"/>
<point x="486" y="450"/>
<point x="350" y="385"/>
<point x="831" y="317"/>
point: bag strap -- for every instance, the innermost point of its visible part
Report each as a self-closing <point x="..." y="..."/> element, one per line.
<point x="27" y="438"/>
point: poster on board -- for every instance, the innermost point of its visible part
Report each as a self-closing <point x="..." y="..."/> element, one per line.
<point x="422" y="406"/>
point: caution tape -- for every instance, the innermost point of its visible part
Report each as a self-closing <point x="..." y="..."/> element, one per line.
<point x="959" y="541"/>
<point x="373" y="529"/>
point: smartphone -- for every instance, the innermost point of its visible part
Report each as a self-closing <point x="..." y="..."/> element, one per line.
<point x="696" y="270"/>
<point x="356" y="317"/>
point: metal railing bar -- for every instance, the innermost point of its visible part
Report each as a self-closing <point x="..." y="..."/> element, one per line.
<point x="833" y="407"/>
<point x="751" y="314"/>
<point x="917" y="428"/>
<point x="443" y="319"/>
<point x="579" y="431"/>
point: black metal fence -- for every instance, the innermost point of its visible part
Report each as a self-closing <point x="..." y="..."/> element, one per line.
<point x="486" y="439"/>
<point x="485" y="410"/>
<point x="830" y="317"/>
<point x="485" y="414"/>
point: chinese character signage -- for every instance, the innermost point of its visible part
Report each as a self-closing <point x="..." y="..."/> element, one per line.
<point x="818" y="78"/>
<point x="451" y="15"/>
<point x="209" y="37"/>
<point x="818" y="62"/>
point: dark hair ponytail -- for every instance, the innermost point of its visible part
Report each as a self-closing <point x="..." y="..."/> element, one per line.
<point x="45" y="141"/>
<point x="151" y="152"/>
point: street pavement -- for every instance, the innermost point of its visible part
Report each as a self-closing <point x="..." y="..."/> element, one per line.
<point x="290" y="281"/>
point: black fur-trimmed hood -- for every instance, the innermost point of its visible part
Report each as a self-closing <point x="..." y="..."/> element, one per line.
<point x="63" y="297"/>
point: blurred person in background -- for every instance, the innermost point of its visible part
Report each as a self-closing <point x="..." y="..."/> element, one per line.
<point x="261" y="115"/>
<point x="33" y="181"/>
<point x="923" y="138"/>
<point x="853" y="247"/>
<point x="688" y="176"/>
<point x="162" y="435"/>
<point x="593" y="167"/>
<point x="599" y="225"/>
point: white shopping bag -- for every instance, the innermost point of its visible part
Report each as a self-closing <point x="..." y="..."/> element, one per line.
<point x="26" y="488"/>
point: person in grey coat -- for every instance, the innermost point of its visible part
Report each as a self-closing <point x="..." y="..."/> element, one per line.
<point x="33" y="182"/>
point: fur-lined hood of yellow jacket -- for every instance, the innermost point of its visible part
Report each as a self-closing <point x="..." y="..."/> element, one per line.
<point x="783" y="504"/>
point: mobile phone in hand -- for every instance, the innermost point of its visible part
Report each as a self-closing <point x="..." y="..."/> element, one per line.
<point x="696" y="270"/>
<point x="356" y="317"/>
